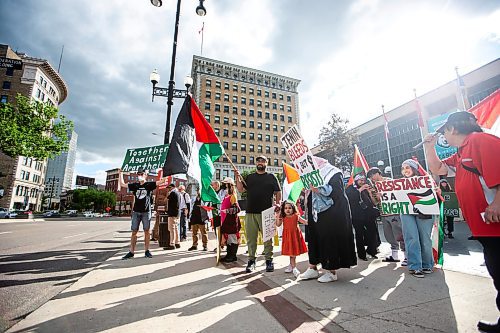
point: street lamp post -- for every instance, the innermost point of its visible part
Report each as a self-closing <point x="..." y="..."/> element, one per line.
<point x="171" y="92"/>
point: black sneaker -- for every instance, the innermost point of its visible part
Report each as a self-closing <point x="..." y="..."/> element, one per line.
<point x="192" y="248"/>
<point x="177" y="246"/>
<point x="148" y="254"/>
<point x="169" y="247"/>
<point x="128" y="256"/>
<point x="250" y="266"/>
<point x="205" y="248"/>
<point x="269" y="265"/>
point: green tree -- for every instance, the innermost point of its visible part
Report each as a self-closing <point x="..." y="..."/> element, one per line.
<point x="337" y="142"/>
<point x="93" y="199"/>
<point x="33" y="129"/>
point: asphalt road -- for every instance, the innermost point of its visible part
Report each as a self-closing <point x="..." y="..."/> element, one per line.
<point x="40" y="259"/>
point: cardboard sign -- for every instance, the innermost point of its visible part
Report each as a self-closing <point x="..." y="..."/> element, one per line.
<point x="268" y="224"/>
<point x="451" y="207"/>
<point x="148" y="158"/>
<point x="408" y="196"/>
<point x="243" y="236"/>
<point x="297" y="150"/>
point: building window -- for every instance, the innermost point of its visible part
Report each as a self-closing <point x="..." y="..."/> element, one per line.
<point x="268" y="150"/>
<point x="235" y="110"/>
<point x="226" y="121"/>
<point x="9" y="72"/>
<point x="235" y="88"/>
<point x="207" y="117"/>
<point x="266" y="94"/>
<point x="226" y="108"/>
<point x="275" y="138"/>
<point x="289" y="108"/>
<point x="252" y="159"/>
<point x="275" y="106"/>
<point x="217" y="120"/>
<point x="289" y="119"/>
<point x="234" y="146"/>
<point x="243" y="135"/>
<point x="268" y="127"/>
<point x="207" y="106"/>
<point x="6" y="85"/>
<point x="275" y="162"/>
<point x="217" y="131"/>
<point x="250" y="91"/>
<point x="235" y="99"/>
<point x="252" y="136"/>
<point x="268" y="115"/>
<point x="275" y="116"/>
<point x="243" y="111"/>
<point x="276" y="151"/>
<point x="251" y="114"/>
<point x="234" y="158"/>
<point x="282" y="117"/>
<point x="251" y="101"/>
<point x="259" y="149"/>
<point x="243" y="123"/>
<point x="226" y="133"/>
<point x="235" y="121"/>
<point x="4" y="99"/>
<point x="266" y="105"/>
<point x="243" y="101"/>
<point x="283" y="151"/>
<point x="208" y="94"/>
<point x="217" y="84"/>
<point x="217" y="107"/>
<point x="217" y="96"/>
<point x="259" y="137"/>
<point x="235" y="134"/>
<point x="259" y="92"/>
<point x="282" y="107"/>
<point x="259" y="125"/>
<point x="288" y="98"/>
<point x="282" y="128"/>
<point x="259" y="103"/>
<point x="251" y="147"/>
<point x="226" y="86"/>
<point x="274" y="95"/>
<point x="275" y="128"/>
<point x="243" y="147"/>
<point x="243" y="159"/>
<point x="251" y="124"/>
<point x="226" y="97"/>
<point x="243" y="89"/>
<point x="268" y="138"/>
<point x="281" y="97"/>
<point x="259" y="114"/>
<point x="225" y="144"/>
<point x="208" y="82"/>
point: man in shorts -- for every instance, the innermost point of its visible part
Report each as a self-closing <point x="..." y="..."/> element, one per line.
<point x="141" y="211"/>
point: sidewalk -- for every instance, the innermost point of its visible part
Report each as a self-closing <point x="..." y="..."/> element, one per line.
<point x="181" y="291"/>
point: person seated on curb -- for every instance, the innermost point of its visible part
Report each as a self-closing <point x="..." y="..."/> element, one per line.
<point x="142" y="191"/>
<point x="197" y="222"/>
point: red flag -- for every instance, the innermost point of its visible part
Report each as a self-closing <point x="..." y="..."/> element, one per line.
<point x="359" y="165"/>
<point x="487" y="113"/>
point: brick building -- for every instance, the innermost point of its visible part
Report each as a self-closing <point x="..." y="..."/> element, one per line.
<point x="35" y="78"/>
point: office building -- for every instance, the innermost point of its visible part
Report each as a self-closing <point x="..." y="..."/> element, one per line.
<point x="249" y="110"/>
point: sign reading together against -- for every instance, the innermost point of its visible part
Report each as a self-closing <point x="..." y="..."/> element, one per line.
<point x="408" y="196"/>
<point x="302" y="158"/>
<point x="148" y="158"/>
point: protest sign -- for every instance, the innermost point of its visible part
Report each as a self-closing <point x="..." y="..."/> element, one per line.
<point x="148" y="158"/>
<point x="268" y="224"/>
<point x="451" y="207"/>
<point x="302" y="158"/>
<point x="243" y="236"/>
<point x="443" y="149"/>
<point x="408" y="196"/>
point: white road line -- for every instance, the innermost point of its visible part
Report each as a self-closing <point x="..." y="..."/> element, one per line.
<point x="75" y="235"/>
<point x="5" y="232"/>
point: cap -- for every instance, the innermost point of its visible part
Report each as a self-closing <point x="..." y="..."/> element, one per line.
<point x="455" y="118"/>
<point x="141" y="170"/>
<point x="359" y="176"/>
<point x="373" y="171"/>
<point x="228" y="180"/>
<point x="261" y="157"/>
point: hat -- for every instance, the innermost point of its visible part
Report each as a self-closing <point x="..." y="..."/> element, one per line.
<point x="261" y="157"/>
<point x="373" y="171"/>
<point x="455" y="118"/>
<point x="359" y="176"/>
<point x="443" y="181"/>
<point x="228" y="180"/>
<point x="411" y="163"/>
<point x="141" y="170"/>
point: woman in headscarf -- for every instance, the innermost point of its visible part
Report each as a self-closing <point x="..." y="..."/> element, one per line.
<point x="330" y="236"/>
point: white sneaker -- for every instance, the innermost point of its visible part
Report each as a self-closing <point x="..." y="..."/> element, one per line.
<point x="309" y="274"/>
<point x="289" y="269"/>
<point x="328" y="277"/>
<point x="296" y="272"/>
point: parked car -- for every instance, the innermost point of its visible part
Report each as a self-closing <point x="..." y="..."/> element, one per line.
<point x="52" y="213"/>
<point x="98" y="215"/>
<point x="4" y="213"/>
<point x="72" y="213"/>
<point x="89" y="214"/>
<point x="107" y="215"/>
<point x="21" y="214"/>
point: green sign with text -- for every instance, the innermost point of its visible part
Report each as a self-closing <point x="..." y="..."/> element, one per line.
<point x="451" y="207"/>
<point x="148" y="158"/>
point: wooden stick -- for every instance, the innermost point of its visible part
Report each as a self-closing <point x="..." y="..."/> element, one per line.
<point x="235" y="169"/>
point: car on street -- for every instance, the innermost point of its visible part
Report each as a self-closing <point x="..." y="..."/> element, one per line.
<point x="89" y="214"/>
<point x="107" y="215"/>
<point x="52" y="213"/>
<point x="72" y="213"/>
<point x="4" y="213"/>
<point x="21" y="214"/>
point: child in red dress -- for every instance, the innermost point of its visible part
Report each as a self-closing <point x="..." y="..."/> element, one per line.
<point x="293" y="243"/>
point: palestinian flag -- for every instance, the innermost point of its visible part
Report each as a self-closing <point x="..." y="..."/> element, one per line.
<point x="359" y="165"/>
<point x="292" y="184"/>
<point x="194" y="149"/>
<point x="427" y="198"/>
<point x="438" y="237"/>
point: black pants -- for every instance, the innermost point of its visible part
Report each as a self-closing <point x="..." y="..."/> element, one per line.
<point x="449" y="224"/>
<point x="491" y="251"/>
<point x="366" y="235"/>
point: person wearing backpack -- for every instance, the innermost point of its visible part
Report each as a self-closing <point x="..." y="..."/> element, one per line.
<point x="477" y="184"/>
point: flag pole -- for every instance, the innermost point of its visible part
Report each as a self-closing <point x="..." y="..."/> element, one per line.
<point x="417" y="104"/>
<point x="234" y="168"/>
<point x="202" y="31"/>
<point x="386" y="129"/>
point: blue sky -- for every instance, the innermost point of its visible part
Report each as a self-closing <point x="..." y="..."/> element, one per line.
<point x="351" y="56"/>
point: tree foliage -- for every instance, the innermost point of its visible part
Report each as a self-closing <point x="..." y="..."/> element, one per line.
<point x="33" y="129"/>
<point x="93" y="199"/>
<point x="337" y="142"/>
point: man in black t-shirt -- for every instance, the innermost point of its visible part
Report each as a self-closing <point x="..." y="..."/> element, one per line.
<point x="261" y="188"/>
<point x="141" y="211"/>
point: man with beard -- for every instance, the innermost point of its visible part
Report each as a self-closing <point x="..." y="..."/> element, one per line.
<point x="261" y="187"/>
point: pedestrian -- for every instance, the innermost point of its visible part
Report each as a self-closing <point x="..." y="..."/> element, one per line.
<point x="417" y="230"/>
<point x="184" y="207"/>
<point x="293" y="243"/>
<point x="391" y="224"/>
<point x="261" y="188"/>
<point x="216" y="221"/>
<point x="141" y="211"/>
<point x="331" y="240"/>
<point x="477" y="184"/>
<point x="364" y="216"/>
<point x="174" y="213"/>
<point x="450" y="227"/>
<point x="230" y="222"/>
<point x="197" y="222"/>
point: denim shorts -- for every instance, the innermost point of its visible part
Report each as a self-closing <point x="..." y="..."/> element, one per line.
<point x="137" y="217"/>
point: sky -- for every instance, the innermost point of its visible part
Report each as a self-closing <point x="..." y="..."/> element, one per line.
<point x="351" y="56"/>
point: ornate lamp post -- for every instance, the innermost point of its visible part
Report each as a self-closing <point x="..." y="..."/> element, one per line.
<point x="171" y="92"/>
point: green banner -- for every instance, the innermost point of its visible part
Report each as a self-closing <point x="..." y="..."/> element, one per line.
<point x="451" y="207"/>
<point x="148" y="158"/>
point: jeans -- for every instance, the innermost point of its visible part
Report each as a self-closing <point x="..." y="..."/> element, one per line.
<point x="418" y="242"/>
<point x="183" y="225"/>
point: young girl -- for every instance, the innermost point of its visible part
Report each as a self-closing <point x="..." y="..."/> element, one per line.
<point x="293" y="243"/>
<point x="230" y="223"/>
